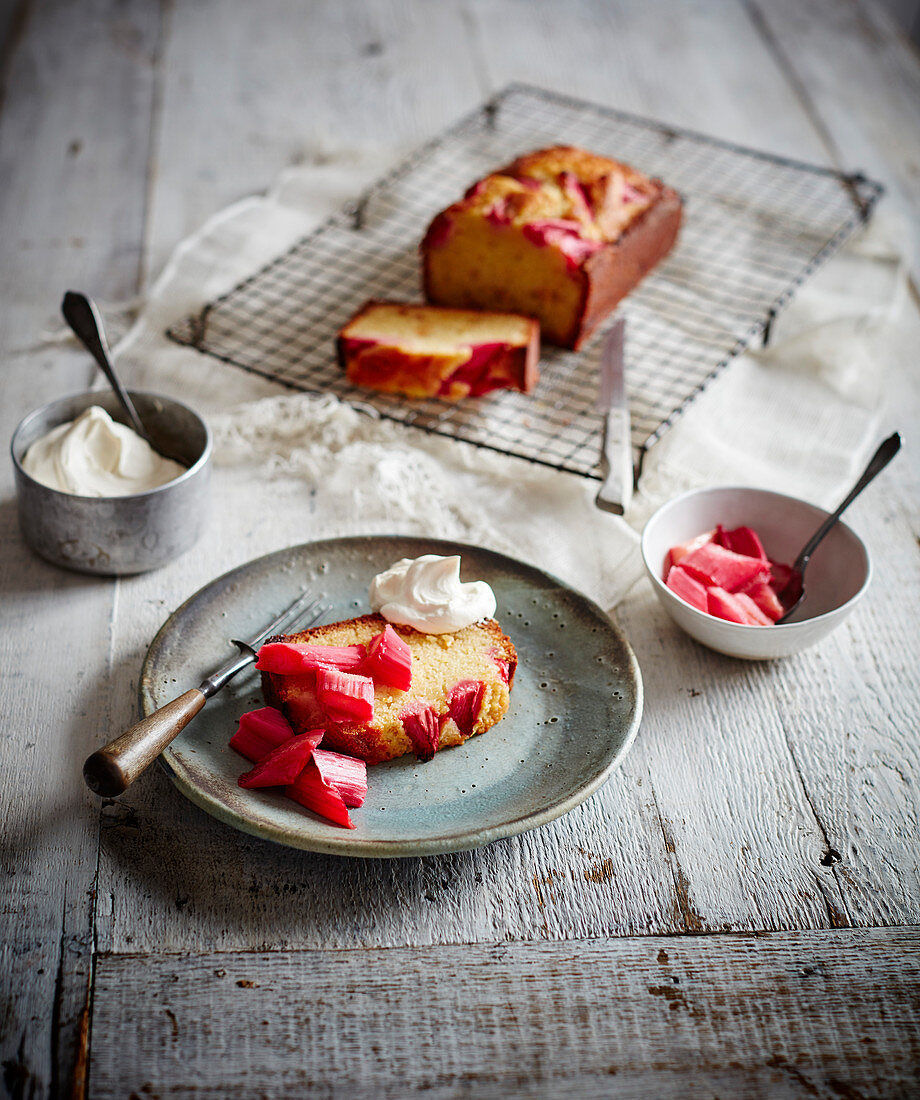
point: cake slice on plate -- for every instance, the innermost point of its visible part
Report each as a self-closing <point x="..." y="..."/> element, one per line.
<point x="460" y="686"/>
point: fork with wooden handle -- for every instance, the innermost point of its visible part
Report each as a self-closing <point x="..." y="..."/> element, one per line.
<point x="111" y="770"/>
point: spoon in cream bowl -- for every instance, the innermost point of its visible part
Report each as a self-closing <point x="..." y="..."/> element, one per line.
<point x="83" y="317"/>
<point x="82" y="314"/>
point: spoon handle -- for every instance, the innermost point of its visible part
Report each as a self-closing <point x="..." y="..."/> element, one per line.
<point x="83" y="317"/>
<point x="887" y="449"/>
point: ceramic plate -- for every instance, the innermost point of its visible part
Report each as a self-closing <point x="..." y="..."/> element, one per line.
<point x="575" y="705"/>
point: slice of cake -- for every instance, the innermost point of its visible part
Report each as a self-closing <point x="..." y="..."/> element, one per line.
<point x="559" y="234"/>
<point x="460" y="686"/>
<point x="424" y="351"/>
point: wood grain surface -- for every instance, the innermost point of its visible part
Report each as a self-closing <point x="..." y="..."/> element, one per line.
<point x="147" y="950"/>
<point x="834" y="1015"/>
<point x="73" y="76"/>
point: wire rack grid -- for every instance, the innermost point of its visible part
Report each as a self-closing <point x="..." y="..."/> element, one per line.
<point x="755" y="226"/>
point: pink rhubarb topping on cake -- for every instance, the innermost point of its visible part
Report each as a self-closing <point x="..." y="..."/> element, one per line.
<point x="559" y="234"/>
<point x="458" y="685"/>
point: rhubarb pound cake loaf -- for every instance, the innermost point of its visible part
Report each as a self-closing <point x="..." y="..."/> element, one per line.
<point x="426" y="351"/>
<point x="560" y="234"/>
<point x="417" y="693"/>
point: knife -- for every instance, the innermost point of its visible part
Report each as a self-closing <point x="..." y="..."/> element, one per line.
<point x="616" y="451"/>
<point x="111" y="770"/>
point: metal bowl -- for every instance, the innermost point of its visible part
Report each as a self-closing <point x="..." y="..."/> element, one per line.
<point x="116" y="536"/>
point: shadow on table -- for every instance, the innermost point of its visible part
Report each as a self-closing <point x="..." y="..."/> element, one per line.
<point x="188" y="882"/>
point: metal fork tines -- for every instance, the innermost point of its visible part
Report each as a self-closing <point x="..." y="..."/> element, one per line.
<point x="302" y="607"/>
<point x="304" y="610"/>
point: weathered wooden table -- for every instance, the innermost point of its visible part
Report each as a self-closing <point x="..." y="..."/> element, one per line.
<point x="734" y="914"/>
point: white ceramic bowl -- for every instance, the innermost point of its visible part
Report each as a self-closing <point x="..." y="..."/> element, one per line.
<point x="835" y="580"/>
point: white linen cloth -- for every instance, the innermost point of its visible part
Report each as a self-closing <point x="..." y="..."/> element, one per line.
<point x="800" y="416"/>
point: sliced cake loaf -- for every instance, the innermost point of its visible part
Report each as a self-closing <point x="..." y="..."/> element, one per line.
<point x="425" y="351"/>
<point x="460" y="686"/>
<point x="559" y="234"/>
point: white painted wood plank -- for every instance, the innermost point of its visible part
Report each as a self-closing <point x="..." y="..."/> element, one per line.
<point x="284" y="82"/>
<point x="71" y="213"/>
<point x="784" y="1015"/>
<point x="702" y="65"/>
<point x="861" y="78"/>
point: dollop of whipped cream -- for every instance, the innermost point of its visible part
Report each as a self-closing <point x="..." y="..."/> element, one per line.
<point x="426" y="593"/>
<point x="94" y="456"/>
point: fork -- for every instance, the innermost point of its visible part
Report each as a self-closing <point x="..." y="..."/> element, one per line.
<point x="112" y="769"/>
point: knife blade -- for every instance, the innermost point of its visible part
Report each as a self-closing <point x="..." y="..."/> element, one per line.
<point x="616" y="449"/>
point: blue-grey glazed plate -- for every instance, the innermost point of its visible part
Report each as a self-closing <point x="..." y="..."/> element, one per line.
<point x="575" y="705"/>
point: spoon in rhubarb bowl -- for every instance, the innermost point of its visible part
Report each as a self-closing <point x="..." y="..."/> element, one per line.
<point x="793" y="593"/>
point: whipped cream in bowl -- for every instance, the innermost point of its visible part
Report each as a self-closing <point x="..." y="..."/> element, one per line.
<point x="94" y="456"/>
<point x="427" y="594"/>
<point x="94" y="497"/>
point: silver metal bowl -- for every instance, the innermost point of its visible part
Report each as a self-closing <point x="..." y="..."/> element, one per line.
<point x="117" y="536"/>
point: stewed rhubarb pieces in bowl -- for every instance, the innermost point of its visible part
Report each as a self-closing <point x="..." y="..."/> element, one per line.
<point x="728" y="574"/>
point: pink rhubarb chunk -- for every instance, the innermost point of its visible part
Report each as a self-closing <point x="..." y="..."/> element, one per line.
<point x="723" y="605"/>
<point x="346" y="774"/>
<point x="564" y="234"/>
<point x="284" y="763"/>
<point x="347" y="697"/>
<point x="690" y="590"/>
<point x="312" y="791"/>
<point x="259" y="732"/>
<point x="482" y="372"/>
<point x="755" y="616"/>
<point x="735" y="608"/>
<point x="713" y="565"/>
<point x="766" y="599"/>
<point x="780" y="575"/>
<point x="677" y="553"/>
<point x="389" y="660"/>
<point x="423" y="728"/>
<point x="294" y="658"/>
<point x="502" y="664"/>
<point x="742" y="540"/>
<point x="464" y="704"/>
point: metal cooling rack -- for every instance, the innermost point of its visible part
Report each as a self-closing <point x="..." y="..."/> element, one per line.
<point x="755" y="226"/>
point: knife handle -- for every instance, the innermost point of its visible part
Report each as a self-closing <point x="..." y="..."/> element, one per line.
<point x="111" y="770"/>
<point x="616" y="490"/>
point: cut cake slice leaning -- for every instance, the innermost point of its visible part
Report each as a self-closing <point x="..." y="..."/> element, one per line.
<point x="426" y="351"/>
